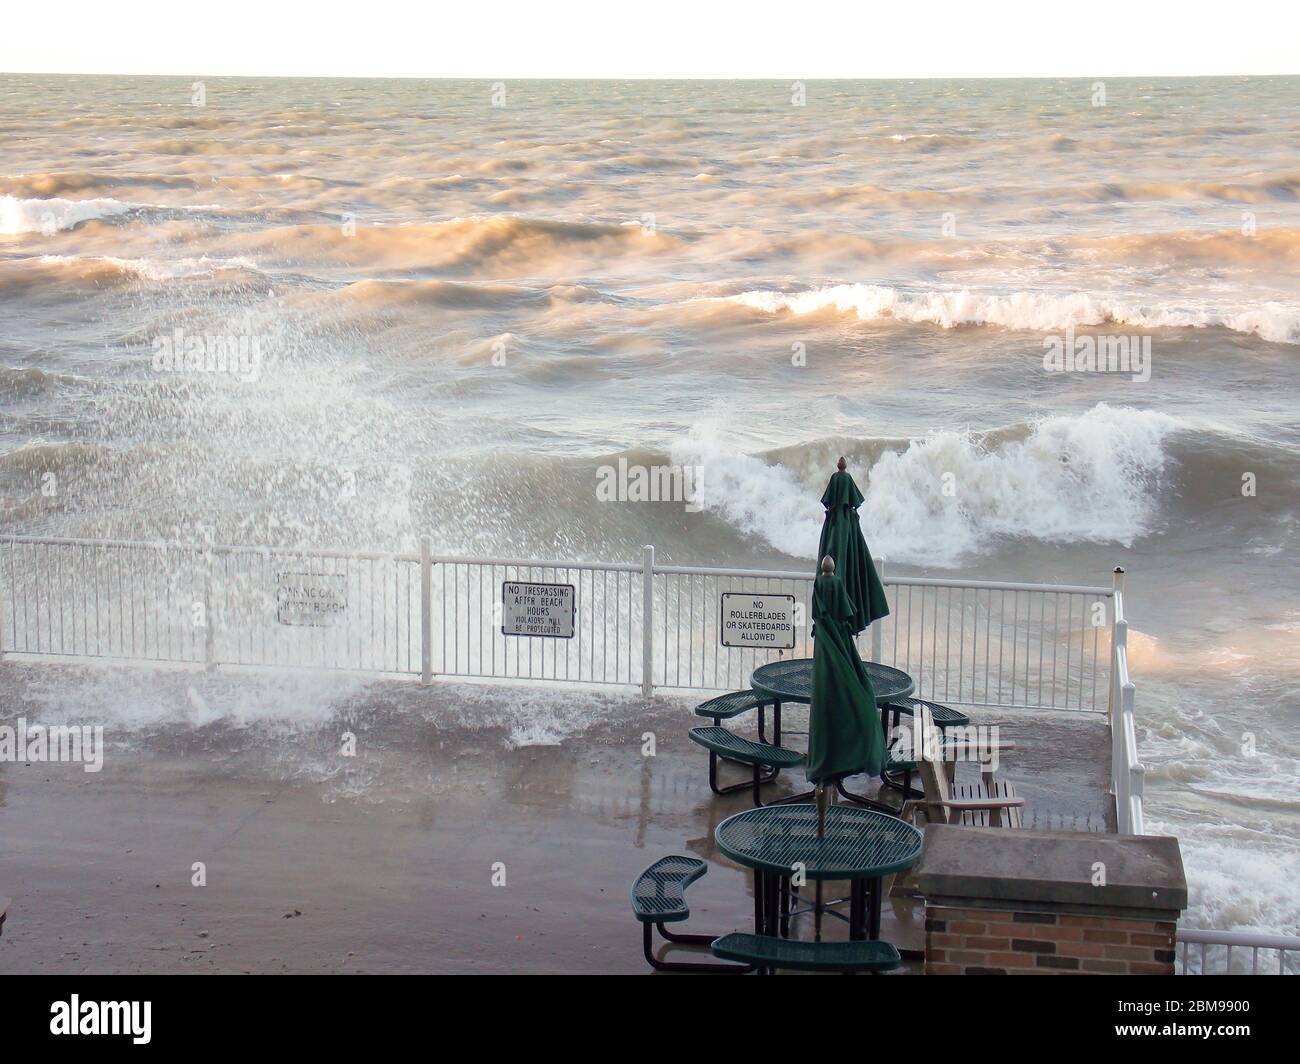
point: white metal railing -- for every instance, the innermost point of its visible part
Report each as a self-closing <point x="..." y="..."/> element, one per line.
<point x="1214" y="953"/>
<point x="971" y="642"/>
<point x="979" y="643"/>
<point x="1127" y="771"/>
<point x="167" y="602"/>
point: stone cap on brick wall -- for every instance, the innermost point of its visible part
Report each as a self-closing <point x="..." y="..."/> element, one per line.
<point x="1053" y="871"/>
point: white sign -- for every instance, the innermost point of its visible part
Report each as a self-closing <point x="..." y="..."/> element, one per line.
<point x="758" y="621"/>
<point x="312" y="600"/>
<point x="537" y="609"/>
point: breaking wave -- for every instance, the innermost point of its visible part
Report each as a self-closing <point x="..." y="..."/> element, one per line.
<point x="54" y="215"/>
<point x="1086" y="478"/>
<point x="1033" y="311"/>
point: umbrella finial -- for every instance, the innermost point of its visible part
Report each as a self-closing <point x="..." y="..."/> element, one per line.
<point x="828" y="565"/>
<point x="841" y="464"/>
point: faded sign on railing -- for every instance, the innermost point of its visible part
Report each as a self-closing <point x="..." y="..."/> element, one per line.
<point x="310" y="600"/>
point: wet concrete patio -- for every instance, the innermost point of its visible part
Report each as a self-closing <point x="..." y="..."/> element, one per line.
<point x="445" y="843"/>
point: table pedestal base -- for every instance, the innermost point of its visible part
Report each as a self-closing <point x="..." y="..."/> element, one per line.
<point x="776" y="901"/>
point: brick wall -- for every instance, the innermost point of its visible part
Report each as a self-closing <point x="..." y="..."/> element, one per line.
<point x="1009" y="942"/>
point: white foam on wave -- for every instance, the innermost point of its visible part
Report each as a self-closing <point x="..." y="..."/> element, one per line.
<point x="1237" y="877"/>
<point x="53" y="215"/>
<point x="758" y="498"/>
<point x="1033" y="311"/>
<point x="942" y="497"/>
<point x="1208" y="760"/>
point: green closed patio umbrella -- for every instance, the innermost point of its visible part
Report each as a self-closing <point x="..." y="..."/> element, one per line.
<point x="842" y="540"/>
<point x="844" y="734"/>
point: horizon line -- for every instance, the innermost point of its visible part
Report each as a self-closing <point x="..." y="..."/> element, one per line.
<point x="625" y="78"/>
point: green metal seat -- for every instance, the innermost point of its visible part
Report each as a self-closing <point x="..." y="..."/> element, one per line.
<point x="659" y="897"/>
<point x="735" y="747"/>
<point x="943" y="716"/>
<point x="720" y="742"/>
<point x="763" y="951"/>
<point x="736" y="703"/>
<point x="898" y="772"/>
<point x="724" y="707"/>
<point x="659" y="893"/>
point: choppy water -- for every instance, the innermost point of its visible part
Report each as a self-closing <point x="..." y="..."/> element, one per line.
<point x="452" y="314"/>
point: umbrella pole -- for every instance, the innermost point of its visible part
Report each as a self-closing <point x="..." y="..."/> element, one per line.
<point x="821" y="833"/>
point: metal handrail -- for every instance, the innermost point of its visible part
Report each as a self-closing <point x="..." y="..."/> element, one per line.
<point x="542" y="563"/>
<point x="646" y="612"/>
<point x="893" y="581"/>
<point x="533" y="563"/>
<point x="1128" y="774"/>
<point x="1254" y="941"/>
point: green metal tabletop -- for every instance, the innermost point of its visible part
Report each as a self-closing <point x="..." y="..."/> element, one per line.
<point x="790" y="680"/>
<point x="858" y="843"/>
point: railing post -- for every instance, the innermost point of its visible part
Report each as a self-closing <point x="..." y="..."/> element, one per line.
<point x="1119" y="642"/>
<point x="1136" y="770"/>
<point x="426" y="611"/>
<point x="1121" y="778"/>
<point x="647" y="619"/>
<point x="1116" y="601"/>
<point x="878" y="627"/>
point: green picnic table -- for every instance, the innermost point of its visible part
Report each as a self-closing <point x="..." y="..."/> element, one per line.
<point x="859" y="845"/>
<point x="791" y="680"/>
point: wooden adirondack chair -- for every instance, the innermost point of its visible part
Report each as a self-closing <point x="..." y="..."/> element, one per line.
<point x="989" y="803"/>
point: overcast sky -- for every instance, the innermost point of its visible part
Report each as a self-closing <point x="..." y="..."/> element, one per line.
<point x="803" y="39"/>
